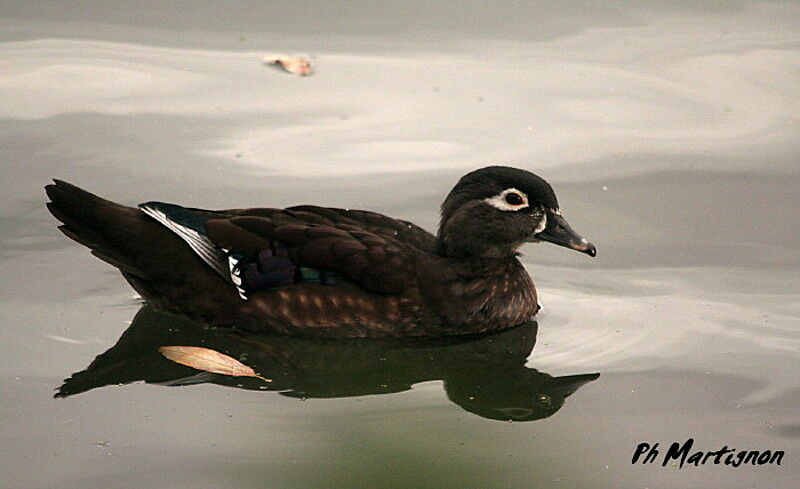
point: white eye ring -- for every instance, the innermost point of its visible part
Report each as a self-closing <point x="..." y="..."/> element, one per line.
<point x="499" y="200"/>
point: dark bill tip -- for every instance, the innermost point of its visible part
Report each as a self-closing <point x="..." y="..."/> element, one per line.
<point x="589" y="250"/>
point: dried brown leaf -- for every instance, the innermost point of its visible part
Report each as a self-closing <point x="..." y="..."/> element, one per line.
<point x="297" y="65"/>
<point x="209" y="361"/>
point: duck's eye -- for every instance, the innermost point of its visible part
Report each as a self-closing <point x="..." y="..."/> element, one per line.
<point x="509" y="200"/>
<point x="514" y="198"/>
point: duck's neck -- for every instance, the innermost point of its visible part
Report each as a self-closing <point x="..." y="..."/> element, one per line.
<point x="474" y="250"/>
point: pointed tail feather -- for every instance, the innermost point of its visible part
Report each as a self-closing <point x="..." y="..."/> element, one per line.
<point x="105" y="227"/>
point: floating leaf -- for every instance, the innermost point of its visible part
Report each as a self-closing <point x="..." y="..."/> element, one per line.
<point x="209" y="361"/>
<point x="296" y="65"/>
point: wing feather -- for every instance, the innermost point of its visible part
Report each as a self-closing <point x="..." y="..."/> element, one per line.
<point x="368" y="249"/>
<point x="377" y="263"/>
<point x="205" y="249"/>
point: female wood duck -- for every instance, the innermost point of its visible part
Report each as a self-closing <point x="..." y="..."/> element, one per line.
<point x="319" y="271"/>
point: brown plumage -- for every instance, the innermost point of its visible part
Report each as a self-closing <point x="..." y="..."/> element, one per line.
<point x="327" y="272"/>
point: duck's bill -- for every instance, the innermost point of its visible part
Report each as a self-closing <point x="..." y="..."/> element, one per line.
<point x="558" y="232"/>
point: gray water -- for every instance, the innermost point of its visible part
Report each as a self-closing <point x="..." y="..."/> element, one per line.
<point x="669" y="131"/>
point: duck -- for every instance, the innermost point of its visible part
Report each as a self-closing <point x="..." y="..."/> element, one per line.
<point x="328" y="272"/>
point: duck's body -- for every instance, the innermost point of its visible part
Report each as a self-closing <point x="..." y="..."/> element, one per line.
<point x="327" y="272"/>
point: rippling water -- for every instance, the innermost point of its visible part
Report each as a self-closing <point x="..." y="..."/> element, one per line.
<point x="669" y="133"/>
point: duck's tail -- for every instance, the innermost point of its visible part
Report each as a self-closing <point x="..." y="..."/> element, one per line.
<point x="112" y="231"/>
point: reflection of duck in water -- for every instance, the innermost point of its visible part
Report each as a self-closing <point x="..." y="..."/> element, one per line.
<point x="315" y="271"/>
<point x="483" y="374"/>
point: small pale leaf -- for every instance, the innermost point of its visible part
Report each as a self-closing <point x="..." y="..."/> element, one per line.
<point x="209" y="361"/>
<point x="296" y="65"/>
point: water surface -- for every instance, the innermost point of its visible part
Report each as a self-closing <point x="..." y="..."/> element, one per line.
<point x="669" y="133"/>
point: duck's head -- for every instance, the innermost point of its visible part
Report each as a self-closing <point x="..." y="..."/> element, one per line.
<point x="492" y="211"/>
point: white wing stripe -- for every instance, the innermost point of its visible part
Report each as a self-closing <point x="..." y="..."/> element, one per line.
<point x="204" y="248"/>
